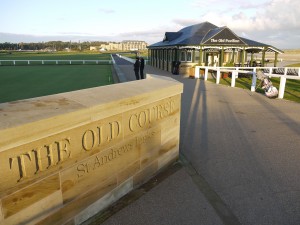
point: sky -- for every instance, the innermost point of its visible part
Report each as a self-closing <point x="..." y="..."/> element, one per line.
<point x="274" y="22"/>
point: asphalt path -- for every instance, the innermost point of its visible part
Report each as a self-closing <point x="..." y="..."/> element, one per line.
<point x="240" y="161"/>
<point x="120" y="61"/>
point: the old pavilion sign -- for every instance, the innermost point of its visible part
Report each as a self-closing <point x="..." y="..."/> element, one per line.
<point x="224" y="37"/>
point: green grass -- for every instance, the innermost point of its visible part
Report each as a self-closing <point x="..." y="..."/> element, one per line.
<point x="34" y="80"/>
<point x="51" y="56"/>
<point x="22" y="82"/>
<point x="293" y="65"/>
<point x="143" y="54"/>
<point x="292" y="88"/>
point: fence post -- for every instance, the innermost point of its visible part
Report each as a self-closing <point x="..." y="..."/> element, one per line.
<point x="218" y="75"/>
<point x="253" y="85"/>
<point x="233" y="76"/>
<point x="206" y="73"/>
<point x="197" y="72"/>
<point x="282" y="86"/>
<point x="14" y="62"/>
<point x="28" y="62"/>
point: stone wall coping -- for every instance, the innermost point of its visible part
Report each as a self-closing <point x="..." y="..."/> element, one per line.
<point x="36" y="118"/>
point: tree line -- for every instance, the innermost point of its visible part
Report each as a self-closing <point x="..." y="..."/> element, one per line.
<point x="50" y="45"/>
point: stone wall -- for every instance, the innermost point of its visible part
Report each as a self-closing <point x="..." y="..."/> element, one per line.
<point x="65" y="157"/>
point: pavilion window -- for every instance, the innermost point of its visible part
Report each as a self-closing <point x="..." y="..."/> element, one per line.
<point x="197" y="56"/>
<point x="186" y="56"/>
<point x="189" y="57"/>
<point x="183" y="56"/>
<point x="170" y="55"/>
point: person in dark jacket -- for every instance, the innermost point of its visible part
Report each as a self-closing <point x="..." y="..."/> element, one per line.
<point x="136" y="68"/>
<point x="142" y="67"/>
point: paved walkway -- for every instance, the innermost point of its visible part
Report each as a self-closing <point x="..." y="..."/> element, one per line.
<point x="240" y="162"/>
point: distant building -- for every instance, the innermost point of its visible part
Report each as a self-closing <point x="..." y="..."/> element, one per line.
<point x="121" y="46"/>
<point x="94" y="48"/>
<point x="133" y="45"/>
<point x="206" y="44"/>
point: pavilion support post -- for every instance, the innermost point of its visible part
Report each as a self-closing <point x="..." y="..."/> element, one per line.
<point x="166" y="62"/>
<point x="161" y="54"/>
<point x="156" y="58"/>
<point x="222" y="57"/>
<point x="173" y="54"/>
<point x="200" y="56"/>
<point x="263" y="58"/>
<point x="193" y="56"/>
<point x="170" y="59"/>
<point x="243" y="57"/>
<point x="166" y="59"/>
<point x="276" y="58"/>
<point x="239" y="58"/>
<point x="251" y="61"/>
<point x="163" y="59"/>
<point x="176" y="55"/>
<point x="153" y="57"/>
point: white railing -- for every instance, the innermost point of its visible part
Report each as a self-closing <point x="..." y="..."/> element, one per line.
<point x="126" y="58"/>
<point x="130" y="59"/>
<point x="282" y="73"/>
<point x="57" y="62"/>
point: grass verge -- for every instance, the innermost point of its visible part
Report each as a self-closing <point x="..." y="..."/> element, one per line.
<point x="22" y="82"/>
<point x="292" y="88"/>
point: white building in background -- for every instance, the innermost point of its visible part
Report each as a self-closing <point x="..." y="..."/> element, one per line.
<point x="128" y="45"/>
<point x="133" y="45"/>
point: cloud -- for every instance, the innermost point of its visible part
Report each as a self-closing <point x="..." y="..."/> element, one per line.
<point x="185" y="22"/>
<point x="273" y="22"/>
<point x="75" y="33"/>
<point x="272" y="16"/>
<point x="107" y="11"/>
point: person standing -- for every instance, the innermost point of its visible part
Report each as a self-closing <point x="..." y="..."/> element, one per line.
<point x="136" y="68"/>
<point x="142" y="67"/>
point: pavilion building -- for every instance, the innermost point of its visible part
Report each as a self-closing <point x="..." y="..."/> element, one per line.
<point x="206" y="44"/>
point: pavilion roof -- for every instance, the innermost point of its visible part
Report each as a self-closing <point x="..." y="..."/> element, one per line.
<point x="208" y="34"/>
